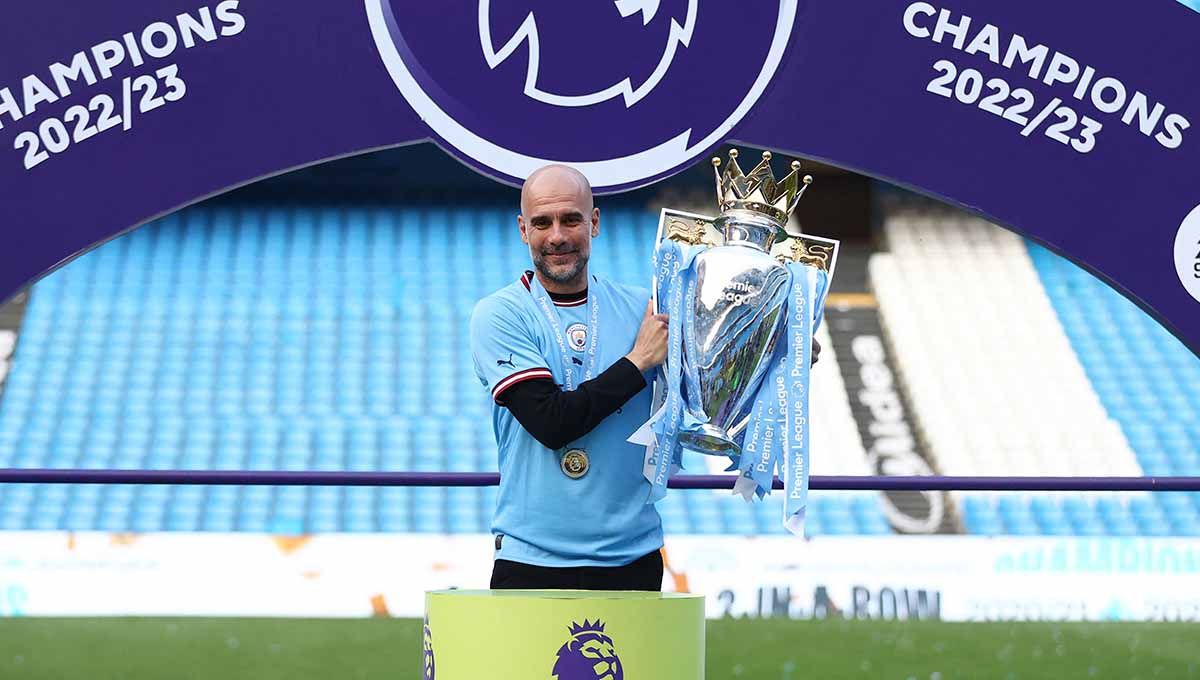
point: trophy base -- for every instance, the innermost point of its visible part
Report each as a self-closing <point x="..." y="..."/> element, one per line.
<point x="710" y="440"/>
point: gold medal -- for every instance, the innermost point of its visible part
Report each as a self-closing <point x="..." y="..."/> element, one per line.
<point x="574" y="463"/>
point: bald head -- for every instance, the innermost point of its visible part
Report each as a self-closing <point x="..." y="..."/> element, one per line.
<point x="559" y="182"/>
<point x="558" y="221"/>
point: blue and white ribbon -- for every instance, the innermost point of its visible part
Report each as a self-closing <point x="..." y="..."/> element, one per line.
<point x="777" y="434"/>
<point x="762" y="443"/>
<point x="676" y="283"/>
<point x="807" y="298"/>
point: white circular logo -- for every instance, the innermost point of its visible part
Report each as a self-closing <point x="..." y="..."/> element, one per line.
<point x="577" y="336"/>
<point x="1187" y="253"/>
<point x="510" y="87"/>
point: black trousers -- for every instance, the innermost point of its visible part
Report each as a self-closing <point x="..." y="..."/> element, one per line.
<point x="644" y="573"/>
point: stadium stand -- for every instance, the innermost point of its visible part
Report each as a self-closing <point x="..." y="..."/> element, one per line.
<point x="837" y="449"/>
<point x="301" y="338"/>
<point x="1145" y="378"/>
<point x="878" y="409"/>
<point x="996" y="385"/>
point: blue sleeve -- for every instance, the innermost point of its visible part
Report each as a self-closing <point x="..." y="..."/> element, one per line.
<point x="504" y="348"/>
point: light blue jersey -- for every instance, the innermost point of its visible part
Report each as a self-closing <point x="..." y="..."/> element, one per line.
<point x="547" y="518"/>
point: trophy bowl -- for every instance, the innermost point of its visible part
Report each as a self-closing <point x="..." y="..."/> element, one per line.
<point x="731" y="329"/>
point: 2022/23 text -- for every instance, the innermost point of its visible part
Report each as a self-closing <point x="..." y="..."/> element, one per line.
<point x="139" y="94"/>
<point x="996" y="96"/>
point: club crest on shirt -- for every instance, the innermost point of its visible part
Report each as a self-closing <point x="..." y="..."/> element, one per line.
<point x="577" y="336"/>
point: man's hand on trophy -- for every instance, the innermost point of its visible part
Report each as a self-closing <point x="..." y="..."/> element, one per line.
<point x="650" y="347"/>
<point x="816" y="352"/>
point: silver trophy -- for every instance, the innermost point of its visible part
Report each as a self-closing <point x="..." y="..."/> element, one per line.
<point x="740" y="294"/>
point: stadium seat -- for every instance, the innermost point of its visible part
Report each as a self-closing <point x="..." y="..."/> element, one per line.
<point x="1142" y="375"/>
<point x="998" y="373"/>
<point x="262" y="338"/>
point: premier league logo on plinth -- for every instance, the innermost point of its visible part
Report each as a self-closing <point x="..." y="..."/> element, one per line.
<point x="427" y="660"/>
<point x="744" y="298"/>
<point x="588" y="655"/>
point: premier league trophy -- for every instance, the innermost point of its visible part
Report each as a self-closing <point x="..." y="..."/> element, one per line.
<point x="744" y="298"/>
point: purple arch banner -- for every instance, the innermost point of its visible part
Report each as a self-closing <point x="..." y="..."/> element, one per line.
<point x="1074" y="123"/>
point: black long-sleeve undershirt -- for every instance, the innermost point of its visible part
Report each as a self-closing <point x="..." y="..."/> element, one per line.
<point x="556" y="417"/>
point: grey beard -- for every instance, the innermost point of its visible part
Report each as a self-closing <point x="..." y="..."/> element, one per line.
<point x="566" y="277"/>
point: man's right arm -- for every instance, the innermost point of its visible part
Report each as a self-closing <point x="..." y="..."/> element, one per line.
<point x="503" y="348"/>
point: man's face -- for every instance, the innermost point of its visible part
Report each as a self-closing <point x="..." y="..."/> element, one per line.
<point x="558" y="222"/>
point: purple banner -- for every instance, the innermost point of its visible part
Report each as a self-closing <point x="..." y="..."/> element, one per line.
<point x="1070" y="122"/>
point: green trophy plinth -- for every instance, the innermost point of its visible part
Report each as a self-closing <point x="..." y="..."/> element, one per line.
<point x="563" y="635"/>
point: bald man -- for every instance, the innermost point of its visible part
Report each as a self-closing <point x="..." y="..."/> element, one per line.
<point x="566" y="355"/>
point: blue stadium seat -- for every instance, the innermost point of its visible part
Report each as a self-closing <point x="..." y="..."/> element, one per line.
<point x="1143" y="376"/>
<point x="262" y="338"/>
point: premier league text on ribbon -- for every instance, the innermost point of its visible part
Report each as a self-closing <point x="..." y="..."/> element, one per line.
<point x="801" y="339"/>
<point x="1109" y="97"/>
<point x="153" y="44"/>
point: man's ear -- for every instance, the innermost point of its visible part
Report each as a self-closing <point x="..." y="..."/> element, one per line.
<point x="521" y="227"/>
<point x="595" y="222"/>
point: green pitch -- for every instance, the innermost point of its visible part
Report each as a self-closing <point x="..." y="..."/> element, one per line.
<point x="286" y="649"/>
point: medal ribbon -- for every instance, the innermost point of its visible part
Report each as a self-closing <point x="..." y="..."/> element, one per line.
<point x="564" y="370"/>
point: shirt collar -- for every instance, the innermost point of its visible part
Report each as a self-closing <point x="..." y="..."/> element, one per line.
<point x="559" y="299"/>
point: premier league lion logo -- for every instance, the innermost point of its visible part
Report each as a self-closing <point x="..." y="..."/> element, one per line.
<point x="651" y="32"/>
<point x="588" y="655"/>
<point x="626" y="90"/>
<point x="427" y="656"/>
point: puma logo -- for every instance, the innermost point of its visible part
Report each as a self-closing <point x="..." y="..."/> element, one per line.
<point x="509" y="361"/>
<point x="576" y="361"/>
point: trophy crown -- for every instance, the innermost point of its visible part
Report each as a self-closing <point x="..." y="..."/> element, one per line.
<point x="758" y="191"/>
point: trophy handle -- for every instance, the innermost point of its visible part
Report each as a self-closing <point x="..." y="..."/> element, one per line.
<point x="685" y="228"/>
<point x="815" y="251"/>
